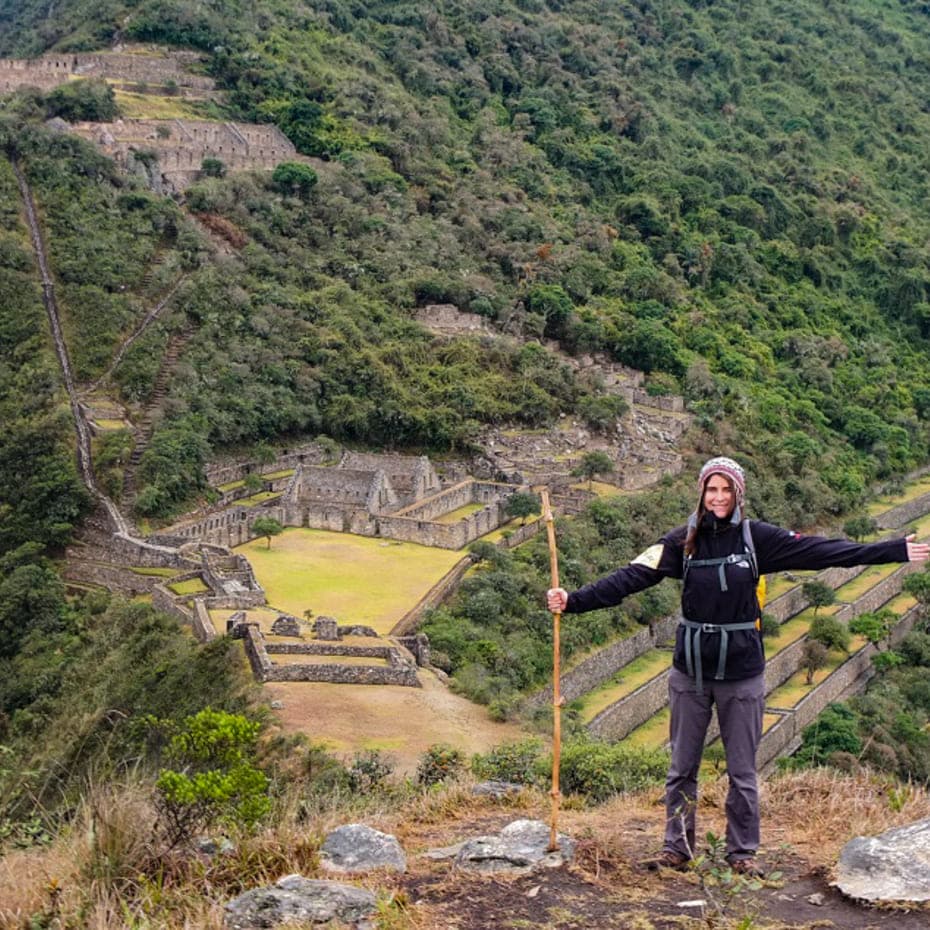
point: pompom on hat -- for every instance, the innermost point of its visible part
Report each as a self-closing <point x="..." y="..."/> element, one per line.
<point x="727" y="467"/>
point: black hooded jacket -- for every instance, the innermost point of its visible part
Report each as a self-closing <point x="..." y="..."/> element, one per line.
<point x="703" y="600"/>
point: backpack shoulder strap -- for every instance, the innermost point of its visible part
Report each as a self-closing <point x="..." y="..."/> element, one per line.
<point x="750" y="548"/>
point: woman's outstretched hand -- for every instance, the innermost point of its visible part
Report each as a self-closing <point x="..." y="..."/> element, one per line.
<point x="916" y="551"/>
<point x="557" y="599"/>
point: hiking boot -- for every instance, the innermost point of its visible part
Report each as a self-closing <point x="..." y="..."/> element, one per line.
<point x="749" y="867"/>
<point x="667" y="859"/>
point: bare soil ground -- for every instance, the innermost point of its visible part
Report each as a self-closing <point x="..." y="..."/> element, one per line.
<point x="807" y="819"/>
<point x="348" y="718"/>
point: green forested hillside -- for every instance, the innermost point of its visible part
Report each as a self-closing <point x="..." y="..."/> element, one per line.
<point x="728" y="195"/>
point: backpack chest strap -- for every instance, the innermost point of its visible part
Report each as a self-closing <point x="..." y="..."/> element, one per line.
<point x="721" y="564"/>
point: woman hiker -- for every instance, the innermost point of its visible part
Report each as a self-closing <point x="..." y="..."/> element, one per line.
<point x="718" y="655"/>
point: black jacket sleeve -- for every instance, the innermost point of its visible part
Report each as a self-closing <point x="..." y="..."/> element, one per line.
<point x="662" y="560"/>
<point x="782" y="550"/>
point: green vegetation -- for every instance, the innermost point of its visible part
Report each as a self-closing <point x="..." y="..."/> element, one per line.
<point x="267" y="527"/>
<point x="217" y="782"/>
<point x="356" y="579"/>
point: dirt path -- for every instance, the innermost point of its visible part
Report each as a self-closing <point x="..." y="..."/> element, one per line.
<point x="807" y="819"/>
<point x="403" y="722"/>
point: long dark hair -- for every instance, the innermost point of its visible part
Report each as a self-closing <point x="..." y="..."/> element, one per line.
<point x="697" y="518"/>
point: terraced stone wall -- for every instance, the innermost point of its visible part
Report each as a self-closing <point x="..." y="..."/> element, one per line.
<point x="605" y="663"/>
<point x="397" y="672"/>
<point x="903" y="514"/>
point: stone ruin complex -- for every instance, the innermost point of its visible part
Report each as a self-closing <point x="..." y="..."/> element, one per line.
<point x="180" y="146"/>
<point x="644" y="450"/>
<point x="147" y="67"/>
<point x="394" y="496"/>
<point x="393" y="662"/>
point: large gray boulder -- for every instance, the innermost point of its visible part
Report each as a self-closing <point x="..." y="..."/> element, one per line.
<point x="295" y="899"/>
<point x="894" y="866"/>
<point x="519" y="848"/>
<point x="358" y="848"/>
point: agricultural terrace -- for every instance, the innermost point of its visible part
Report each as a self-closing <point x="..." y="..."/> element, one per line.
<point x="912" y="492"/>
<point x="355" y="579"/>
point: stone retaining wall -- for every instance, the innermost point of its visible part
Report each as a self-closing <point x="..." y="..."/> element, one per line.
<point x="624" y="716"/>
<point x="332" y="649"/>
<point x="50" y="71"/>
<point x="669" y="402"/>
<point x="219" y="473"/>
<point x="170" y="603"/>
<point x="443" y="535"/>
<point x="201" y="623"/>
<point x="793" y="602"/>
<point x="784" y="736"/>
<point x="433" y="598"/>
<point x="113" y="577"/>
<point x="265" y="670"/>
<point x="879" y="594"/>
<point x="593" y="671"/>
<point x="903" y="514"/>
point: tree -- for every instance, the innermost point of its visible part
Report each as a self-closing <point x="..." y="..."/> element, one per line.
<point x="875" y="627"/>
<point x="814" y="657"/>
<point x="592" y="464"/>
<point x="291" y="177"/>
<point x="859" y="527"/>
<point x="918" y="586"/>
<point x="818" y="594"/>
<point x="212" y="168"/>
<point x="267" y="527"/>
<point x="522" y="504"/>
<point x="830" y="632"/>
<point x="253" y="482"/>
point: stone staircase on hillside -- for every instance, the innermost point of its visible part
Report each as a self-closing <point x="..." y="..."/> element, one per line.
<point x="151" y="414"/>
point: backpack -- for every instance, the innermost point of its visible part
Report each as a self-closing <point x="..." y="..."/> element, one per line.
<point x="749" y="552"/>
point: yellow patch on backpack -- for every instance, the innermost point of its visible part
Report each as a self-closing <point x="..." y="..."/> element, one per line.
<point x="651" y="557"/>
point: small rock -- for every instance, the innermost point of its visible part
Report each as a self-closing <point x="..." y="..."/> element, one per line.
<point x="444" y="852"/>
<point x="817" y="899"/>
<point x="359" y="848"/>
<point x="295" y="899"/>
<point x="277" y="705"/>
<point x="496" y="789"/>
<point x="519" y="848"/>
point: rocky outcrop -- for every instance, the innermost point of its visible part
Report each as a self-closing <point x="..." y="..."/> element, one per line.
<point x="356" y="847"/>
<point x="894" y="866"/>
<point x="519" y="848"/>
<point x="298" y="900"/>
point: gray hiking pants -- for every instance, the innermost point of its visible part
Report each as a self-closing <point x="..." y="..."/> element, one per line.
<point x="740" y="705"/>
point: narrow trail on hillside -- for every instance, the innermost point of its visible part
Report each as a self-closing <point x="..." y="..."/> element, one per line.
<point x="143" y="326"/>
<point x="118" y="522"/>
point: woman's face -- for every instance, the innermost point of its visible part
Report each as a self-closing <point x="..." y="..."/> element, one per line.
<point x="719" y="496"/>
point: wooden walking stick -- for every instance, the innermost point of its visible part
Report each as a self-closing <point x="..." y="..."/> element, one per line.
<point x="556" y="696"/>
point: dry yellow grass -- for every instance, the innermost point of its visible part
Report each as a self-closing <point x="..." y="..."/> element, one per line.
<point x="348" y="718"/>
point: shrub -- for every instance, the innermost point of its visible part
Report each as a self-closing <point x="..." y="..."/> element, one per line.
<point x="369" y="771"/>
<point x="600" y="770"/>
<point x="83" y="101"/>
<point x="212" y="168"/>
<point x="215" y="781"/>
<point x="830" y="632"/>
<point x="294" y="178"/>
<point x="514" y="762"/>
<point x="438" y="764"/>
